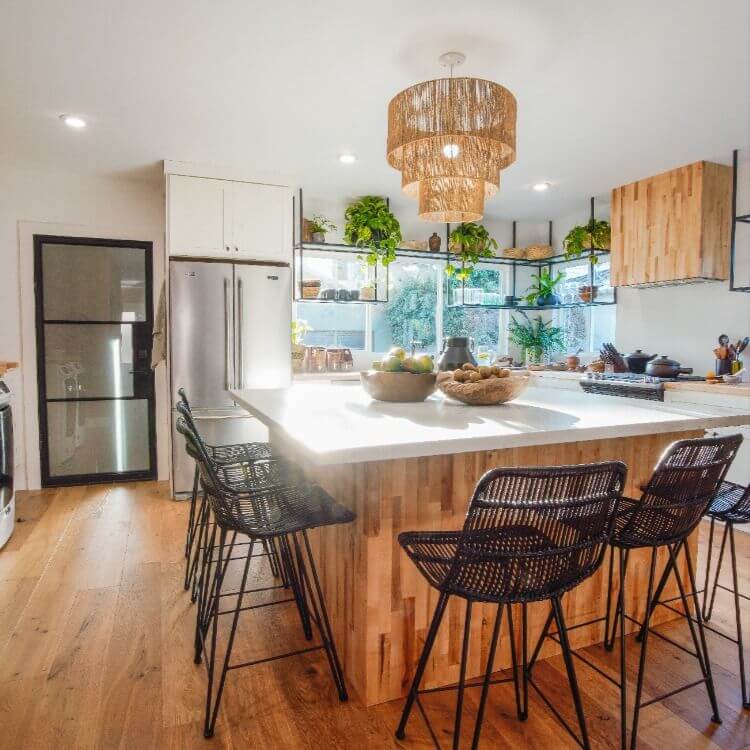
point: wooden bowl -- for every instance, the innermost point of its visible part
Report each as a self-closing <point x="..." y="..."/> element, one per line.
<point x="485" y="392"/>
<point x="402" y="387"/>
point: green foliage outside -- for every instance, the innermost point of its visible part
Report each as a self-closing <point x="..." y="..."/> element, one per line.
<point x="410" y="312"/>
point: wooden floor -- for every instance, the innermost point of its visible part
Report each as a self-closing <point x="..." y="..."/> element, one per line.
<point x="96" y="639"/>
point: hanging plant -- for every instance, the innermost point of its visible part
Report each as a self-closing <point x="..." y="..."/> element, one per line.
<point x="370" y="224"/>
<point x="594" y="235"/>
<point x="470" y="242"/>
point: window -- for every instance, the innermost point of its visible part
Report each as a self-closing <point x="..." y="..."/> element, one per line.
<point x="586" y="328"/>
<point x="410" y="315"/>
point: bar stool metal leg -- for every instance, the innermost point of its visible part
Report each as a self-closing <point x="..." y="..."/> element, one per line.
<point x="423" y="659"/>
<point x="708" y="602"/>
<point x="740" y="645"/>
<point x="570" y="669"/>
<point x="191" y="518"/>
<point x="642" y="660"/>
<point x="212" y="713"/>
<point x="320" y="613"/>
<point x="623" y="666"/>
<point x="488" y="672"/>
<point x="516" y="680"/>
<point x="702" y="633"/>
<point x="462" y="678"/>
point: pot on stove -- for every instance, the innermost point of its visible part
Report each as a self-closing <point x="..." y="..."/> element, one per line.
<point x="664" y="367"/>
<point x="637" y="361"/>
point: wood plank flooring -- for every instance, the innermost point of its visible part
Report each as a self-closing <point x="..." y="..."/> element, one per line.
<point x="96" y="637"/>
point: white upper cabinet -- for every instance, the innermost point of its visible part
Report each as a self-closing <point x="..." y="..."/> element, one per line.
<point x="197" y="216"/>
<point x="210" y="217"/>
<point x="262" y="214"/>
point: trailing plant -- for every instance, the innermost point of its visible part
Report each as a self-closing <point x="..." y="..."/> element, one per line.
<point x="594" y="235"/>
<point x="470" y="242"/>
<point x="322" y="225"/>
<point x="543" y="285"/>
<point x="370" y="224"/>
<point x="536" y="334"/>
<point x="299" y="329"/>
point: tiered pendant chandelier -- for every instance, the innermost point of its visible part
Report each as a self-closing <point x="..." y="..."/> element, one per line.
<point x="450" y="138"/>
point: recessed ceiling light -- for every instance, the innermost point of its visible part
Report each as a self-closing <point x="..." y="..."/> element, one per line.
<point x="450" y="150"/>
<point x="347" y="158"/>
<point x="73" y="122"/>
<point x="540" y="187"/>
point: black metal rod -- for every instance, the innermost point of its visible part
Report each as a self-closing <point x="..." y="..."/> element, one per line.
<point x="738" y="619"/>
<point x="422" y="664"/>
<point x="487" y="674"/>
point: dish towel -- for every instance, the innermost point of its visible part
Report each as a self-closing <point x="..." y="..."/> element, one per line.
<point x="159" y="336"/>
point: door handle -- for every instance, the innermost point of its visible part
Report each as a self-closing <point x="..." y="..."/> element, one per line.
<point x="227" y="339"/>
<point x="239" y="333"/>
<point x="139" y="372"/>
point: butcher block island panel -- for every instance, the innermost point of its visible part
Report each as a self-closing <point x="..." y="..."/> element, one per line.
<point x="673" y="227"/>
<point x="379" y="604"/>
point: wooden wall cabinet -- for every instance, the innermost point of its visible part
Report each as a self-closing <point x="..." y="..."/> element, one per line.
<point x="673" y="227"/>
<point x="208" y="217"/>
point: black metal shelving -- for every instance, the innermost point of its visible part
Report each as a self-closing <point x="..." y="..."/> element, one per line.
<point x="736" y="219"/>
<point x="300" y="248"/>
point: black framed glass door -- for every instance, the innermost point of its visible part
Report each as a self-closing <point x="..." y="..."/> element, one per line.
<point x="94" y="322"/>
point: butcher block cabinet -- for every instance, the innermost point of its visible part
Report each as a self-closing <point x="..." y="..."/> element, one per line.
<point x="227" y="218"/>
<point x="673" y="227"/>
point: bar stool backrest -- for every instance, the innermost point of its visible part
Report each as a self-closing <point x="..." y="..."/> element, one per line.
<point x="683" y="484"/>
<point x="532" y="533"/>
<point x="183" y="408"/>
<point x="183" y="398"/>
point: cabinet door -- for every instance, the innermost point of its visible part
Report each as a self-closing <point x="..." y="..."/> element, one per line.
<point x="198" y="216"/>
<point x="261" y="221"/>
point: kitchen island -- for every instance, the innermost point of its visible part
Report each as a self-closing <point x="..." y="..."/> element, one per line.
<point x="414" y="466"/>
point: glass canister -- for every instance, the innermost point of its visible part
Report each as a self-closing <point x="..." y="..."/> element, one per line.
<point x="316" y="359"/>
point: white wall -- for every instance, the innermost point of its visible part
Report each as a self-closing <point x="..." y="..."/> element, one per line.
<point x="683" y="321"/>
<point x="61" y="203"/>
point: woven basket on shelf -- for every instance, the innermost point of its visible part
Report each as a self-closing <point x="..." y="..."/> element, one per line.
<point x="539" y="252"/>
<point x="514" y="252"/>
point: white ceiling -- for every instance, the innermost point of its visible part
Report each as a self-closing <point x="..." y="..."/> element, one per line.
<point x="608" y="91"/>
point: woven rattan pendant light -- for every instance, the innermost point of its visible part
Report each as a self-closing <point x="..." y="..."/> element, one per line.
<point x="450" y="138"/>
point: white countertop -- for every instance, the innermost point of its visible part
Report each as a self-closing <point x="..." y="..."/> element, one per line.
<point x="339" y="423"/>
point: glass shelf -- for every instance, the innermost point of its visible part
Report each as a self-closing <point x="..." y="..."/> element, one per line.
<point x="442" y="254"/>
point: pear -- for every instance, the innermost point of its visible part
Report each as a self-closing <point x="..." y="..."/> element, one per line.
<point x="411" y="365"/>
<point x="425" y="363"/>
<point x="397" y="351"/>
<point x="392" y="364"/>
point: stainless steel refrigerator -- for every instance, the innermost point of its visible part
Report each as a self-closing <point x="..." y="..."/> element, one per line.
<point x="229" y="328"/>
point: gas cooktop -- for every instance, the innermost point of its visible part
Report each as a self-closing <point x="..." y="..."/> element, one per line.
<point x="630" y="384"/>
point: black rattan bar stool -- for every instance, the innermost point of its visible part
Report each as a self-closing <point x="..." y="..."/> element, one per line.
<point x="282" y="513"/>
<point x="222" y="455"/>
<point x="673" y="502"/>
<point x="731" y="506"/>
<point x="531" y="534"/>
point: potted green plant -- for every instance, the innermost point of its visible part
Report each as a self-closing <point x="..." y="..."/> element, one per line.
<point x="537" y="338"/>
<point x="470" y="242"/>
<point x="594" y="235"/>
<point x="542" y="290"/>
<point x="367" y="291"/>
<point x="319" y="226"/>
<point x="371" y="225"/>
<point x="299" y="329"/>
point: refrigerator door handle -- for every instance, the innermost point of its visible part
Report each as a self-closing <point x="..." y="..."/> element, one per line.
<point x="227" y="338"/>
<point x="239" y="333"/>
